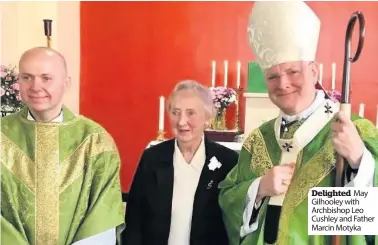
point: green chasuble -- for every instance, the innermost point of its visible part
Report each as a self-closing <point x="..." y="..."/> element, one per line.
<point x="59" y="181"/>
<point x="315" y="167"/>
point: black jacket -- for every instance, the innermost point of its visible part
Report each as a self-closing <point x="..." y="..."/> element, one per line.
<point x="148" y="210"/>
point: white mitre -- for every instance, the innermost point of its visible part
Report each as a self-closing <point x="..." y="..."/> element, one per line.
<point x="280" y="32"/>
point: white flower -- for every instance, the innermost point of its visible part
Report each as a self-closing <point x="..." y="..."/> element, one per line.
<point x="232" y="98"/>
<point x="214" y="164"/>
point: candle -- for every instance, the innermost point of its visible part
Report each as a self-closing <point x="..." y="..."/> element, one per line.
<point x="238" y="75"/>
<point x="213" y="74"/>
<point x="333" y="76"/>
<point x="362" y="110"/>
<point x="225" y="72"/>
<point x="161" y="114"/>
<point x="321" y="74"/>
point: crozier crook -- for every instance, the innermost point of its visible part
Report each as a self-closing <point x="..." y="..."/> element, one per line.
<point x="345" y="105"/>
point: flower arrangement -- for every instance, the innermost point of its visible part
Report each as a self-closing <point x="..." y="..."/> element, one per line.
<point x="9" y="91"/>
<point x="334" y="95"/>
<point x="223" y="97"/>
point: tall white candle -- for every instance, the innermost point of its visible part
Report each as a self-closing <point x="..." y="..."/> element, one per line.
<point x="238" y="75"/>
<point x="362" y="110"/>
<point x="321" y="74"/>
<point x="225" y="72"/>
<point x="213" y="74"/>
<point x="333" y="76"/>
<point x="161" y="114"/>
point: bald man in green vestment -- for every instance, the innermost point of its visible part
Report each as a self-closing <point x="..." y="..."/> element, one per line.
<point x="59" y="171"/>
<point x="264" y="198"/>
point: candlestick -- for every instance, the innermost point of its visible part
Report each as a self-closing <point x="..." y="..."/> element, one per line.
<point x="225" y="72"/>
<point x="238" y="75"/>
<point x="160" y="136"/>
<point x="213" y="74"/>
<point x="333" y="76"/>
<point x="362" y="110"/>
<point x="321" y="74"/>
<point x="161" y="114"/>
<point x="237" y="121"/>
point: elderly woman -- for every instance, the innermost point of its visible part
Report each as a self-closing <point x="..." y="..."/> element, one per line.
<point x="174" y="194"/>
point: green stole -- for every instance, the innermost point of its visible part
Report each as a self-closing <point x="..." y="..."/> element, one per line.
<point x="315" y="167"/>
<point x="59" y="181"/>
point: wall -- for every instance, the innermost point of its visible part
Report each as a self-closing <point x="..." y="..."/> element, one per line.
<point x="22" y="28"/>
<point x="133" y="52"/>
<point x="331" y="49"/>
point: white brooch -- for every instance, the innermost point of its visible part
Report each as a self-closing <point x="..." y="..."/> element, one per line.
<point x="214" y="164"/>
<point x="210" y="184"/>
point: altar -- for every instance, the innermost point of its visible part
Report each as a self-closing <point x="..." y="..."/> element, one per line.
<point x="258" y="110"/>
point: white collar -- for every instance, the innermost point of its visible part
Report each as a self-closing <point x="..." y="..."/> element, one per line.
<point x="319" y="100"/>
<point x="198" y="160"/>
<point x="58" y="119"/>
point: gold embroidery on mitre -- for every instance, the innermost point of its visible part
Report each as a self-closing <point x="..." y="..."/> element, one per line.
<point x="47" y="187"/>
<point x="18" y="163"/>
<point x="75" y="164"/>
<point x="311" y="174"/>
<point x="255" y="144"/>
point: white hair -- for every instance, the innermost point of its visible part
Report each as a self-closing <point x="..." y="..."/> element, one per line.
<point x="203" y="93"/>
